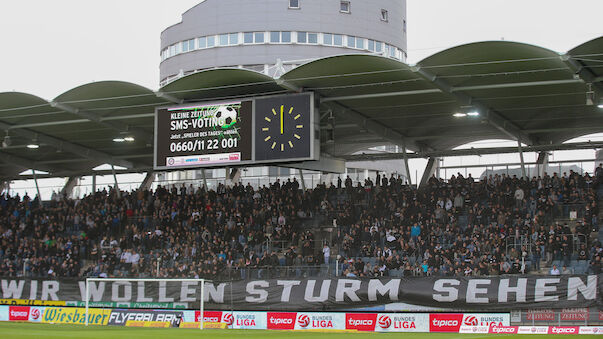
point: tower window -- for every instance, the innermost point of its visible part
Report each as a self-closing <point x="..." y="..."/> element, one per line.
<point x="344" y="7"/>
<point x="294" y="4"/>
<point x="384" y="15"/>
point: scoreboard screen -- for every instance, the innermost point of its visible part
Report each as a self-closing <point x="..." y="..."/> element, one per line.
<point x="237" y="132"/>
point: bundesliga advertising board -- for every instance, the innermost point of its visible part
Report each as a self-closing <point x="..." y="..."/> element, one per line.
<point x="238" y="132"/>
<point x="495" y="323"/>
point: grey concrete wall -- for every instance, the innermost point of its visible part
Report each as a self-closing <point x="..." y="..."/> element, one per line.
<point x="323" y="16"/>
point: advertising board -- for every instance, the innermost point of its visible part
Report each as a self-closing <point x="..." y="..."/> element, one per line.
<point x="236" y="132"/>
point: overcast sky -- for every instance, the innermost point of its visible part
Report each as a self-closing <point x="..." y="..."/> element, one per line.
<point x="49" y="47"/>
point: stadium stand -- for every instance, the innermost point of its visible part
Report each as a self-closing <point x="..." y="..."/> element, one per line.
<point x="459" y="226"/>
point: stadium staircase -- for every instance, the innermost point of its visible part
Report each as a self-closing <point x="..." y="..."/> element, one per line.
<point x="580" y="267"/>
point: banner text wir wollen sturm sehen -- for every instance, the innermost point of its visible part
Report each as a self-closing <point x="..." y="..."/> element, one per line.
<point x="483" y="293"/>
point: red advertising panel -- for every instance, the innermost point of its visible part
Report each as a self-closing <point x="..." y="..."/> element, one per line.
<point x="574" y="314"/>
<point x="360" y="321"/>
<point x="541" y="315"/>
<point x="563" y="329"/>
<point x="282" y="320"/>
<point x="215" y="317"/>
<point x="18" y="313"/>
<point x="442" y="322"/>
<point x="503" y="329"/>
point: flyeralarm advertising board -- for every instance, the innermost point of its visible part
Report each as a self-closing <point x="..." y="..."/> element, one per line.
<point x="121" y="317"/>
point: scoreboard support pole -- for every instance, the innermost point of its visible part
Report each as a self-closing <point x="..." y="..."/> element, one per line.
<point x="301" y="177"/>
<point x="204" y="179"/>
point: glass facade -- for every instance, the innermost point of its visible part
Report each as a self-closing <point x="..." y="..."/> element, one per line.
<point x="282" y="37"/>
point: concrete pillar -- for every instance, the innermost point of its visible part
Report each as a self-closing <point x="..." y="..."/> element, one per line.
<point x="430" y="170"/>
<point x="204" y="177"/>
<point x="523" y="165"/>
<point x="116" y="187"/>
<point x="233" y="176"/>
<point x="301" y="178"/>
<point x="93" y="183"/>
<point x="37" y="187"/>
<point x="67" y="190"/>
<point x="148" y="181"/>
<point x="406" y="166"/>
<point x="542" y="163"/>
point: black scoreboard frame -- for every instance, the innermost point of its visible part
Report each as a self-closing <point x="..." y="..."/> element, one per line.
<point x="312" y="130"/>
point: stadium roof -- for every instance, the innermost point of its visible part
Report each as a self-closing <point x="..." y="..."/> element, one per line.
<point x="521" y="91"/>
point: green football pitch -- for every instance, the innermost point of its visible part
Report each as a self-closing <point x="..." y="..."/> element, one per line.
<point x="28" y="330"/>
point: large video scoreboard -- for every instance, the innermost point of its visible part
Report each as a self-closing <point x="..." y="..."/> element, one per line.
<point x="236" y="132"/>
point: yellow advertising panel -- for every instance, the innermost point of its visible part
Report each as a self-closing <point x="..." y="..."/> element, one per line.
<point x="73" y="315"/>
<point x="206" y="325"/>
<point x="142" y="323"/>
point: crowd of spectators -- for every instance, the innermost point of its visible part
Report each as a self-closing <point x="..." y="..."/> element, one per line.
<point x="458" y="226"/>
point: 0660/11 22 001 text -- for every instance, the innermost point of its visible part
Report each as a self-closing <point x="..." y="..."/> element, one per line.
<point x="201" y="145"/>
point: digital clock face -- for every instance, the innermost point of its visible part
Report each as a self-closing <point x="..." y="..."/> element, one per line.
<point x="283" y="127"/>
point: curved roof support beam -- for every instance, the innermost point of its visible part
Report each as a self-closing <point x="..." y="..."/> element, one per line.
<point x="494" y="118"/>
<point x="26" y="163"/>
<point x="169" y="97"/>
<point x="476" y="151"/>
<point x="69" y="147"/>
<point x="383" y="131"/>
<point x="139" y="133"/>
<point x="585" y="74"/>
<point x="288" y="85"/>
<point x="365" y="122"/>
